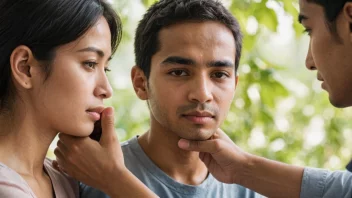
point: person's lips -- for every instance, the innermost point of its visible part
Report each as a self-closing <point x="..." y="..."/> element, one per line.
<point x="199" y="117"/>
<point x="319" y="77"/>
<point x="323" y="85"/>
<point x="95" y="112"/>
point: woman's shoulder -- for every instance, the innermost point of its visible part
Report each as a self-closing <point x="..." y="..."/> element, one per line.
<point x="12" y="184"/>
<point x="64" y="185"/>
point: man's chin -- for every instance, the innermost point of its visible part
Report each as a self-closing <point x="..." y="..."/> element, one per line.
<point x="201" y="136"/>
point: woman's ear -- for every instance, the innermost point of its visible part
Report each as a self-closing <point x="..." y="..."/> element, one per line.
<point x="140" y="83"/>
<point x="21" y="62"/>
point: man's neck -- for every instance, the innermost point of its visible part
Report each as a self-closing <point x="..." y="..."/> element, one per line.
<point x="185" y="167"/>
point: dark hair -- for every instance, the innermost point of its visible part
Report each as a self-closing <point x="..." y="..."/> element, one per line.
<point x="332" y="9"/>
<point x="44" y="25"/>
<point x="168" y="12"/>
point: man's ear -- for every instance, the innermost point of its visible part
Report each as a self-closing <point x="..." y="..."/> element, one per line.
<point x="347" y="13"/>
<point x="140" y="83"/>
<point x="21" y="62"/>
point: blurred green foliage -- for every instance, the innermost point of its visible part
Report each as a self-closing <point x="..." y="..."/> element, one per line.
<point x="267" y="118"/>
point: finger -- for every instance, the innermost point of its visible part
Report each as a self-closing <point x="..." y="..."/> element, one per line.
<point x="207" y="158"/>
<point x="56" y="165"/>
<point x="60" y="162"/>
<point x="62" y="147"/>
<point x="201" y="155"/>
<point x="220" y="134"/>
<point x="67" y="140"/>
<point x="59" y="157"/>
<point x="208" y="146"/>
<point x="108" y="127"/>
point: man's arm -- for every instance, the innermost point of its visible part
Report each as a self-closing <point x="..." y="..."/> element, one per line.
<point x="229" y="164"/>
<point x="99" y="164"/>
<point x="271" y="178"/>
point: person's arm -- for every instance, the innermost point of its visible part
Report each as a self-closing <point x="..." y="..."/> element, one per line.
<point x="99" y="164"/>
<point x="323" y="183"/>
<point x="229" y="164"/>
<point x="127" y="185"/>
<point x="271" y="178"/>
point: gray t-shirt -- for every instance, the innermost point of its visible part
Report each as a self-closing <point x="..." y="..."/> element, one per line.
<point x="163" y="185"/>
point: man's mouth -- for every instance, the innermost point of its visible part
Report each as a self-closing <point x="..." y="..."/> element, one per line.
<point x="199" y="117"/>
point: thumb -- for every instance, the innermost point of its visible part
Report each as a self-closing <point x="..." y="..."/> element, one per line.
<point x="207" y="146"/>
<point x="108" y="127"/>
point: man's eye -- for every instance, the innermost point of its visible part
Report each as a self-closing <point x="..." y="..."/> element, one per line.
<point x="220" y="75"/>
<point x="178" y="73"/>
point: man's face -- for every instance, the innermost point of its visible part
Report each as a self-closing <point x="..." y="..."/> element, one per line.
<point x="329" y="53"/>
<point x="192" y="80"/>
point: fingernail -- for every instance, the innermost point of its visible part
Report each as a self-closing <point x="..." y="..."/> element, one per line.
<point x="183" y="143"/>
<point x="109" y="111"/>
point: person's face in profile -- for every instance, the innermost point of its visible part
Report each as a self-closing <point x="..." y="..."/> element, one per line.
<point x="71" y="98"/>
<point x="192" y="80"/>
<point x="330" y="50"/>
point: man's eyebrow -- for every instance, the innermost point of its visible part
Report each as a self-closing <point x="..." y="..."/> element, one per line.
<point x="222" y="63"/>
<point x="178" y="60"/>
<point x="302" y="17"/>
<point x="94" y="49"/>
<point x="186" y="61"/>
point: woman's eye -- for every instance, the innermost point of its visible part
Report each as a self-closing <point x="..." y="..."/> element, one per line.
<point x="90" y="64"/>
<point x="178" y="73"/>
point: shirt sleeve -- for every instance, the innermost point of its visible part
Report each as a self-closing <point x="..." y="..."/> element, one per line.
<point x="89" y="192"/>
<point x="320" y="183"/>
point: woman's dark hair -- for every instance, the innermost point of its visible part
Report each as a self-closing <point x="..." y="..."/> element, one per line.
<point x="44" y="25"/>
<point x="168" y="12"/>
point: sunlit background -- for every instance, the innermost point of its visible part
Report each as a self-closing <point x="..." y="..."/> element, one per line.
<point x="279" y="111"/>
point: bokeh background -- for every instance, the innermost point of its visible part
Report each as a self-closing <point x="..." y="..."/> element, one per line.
<point x="279" y="111"/>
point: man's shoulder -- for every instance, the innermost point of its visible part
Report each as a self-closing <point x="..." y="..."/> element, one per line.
<point x="129" y="145"/>
<point x="132" y="152"/>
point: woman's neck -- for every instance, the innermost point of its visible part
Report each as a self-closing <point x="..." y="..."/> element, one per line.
<point x="24" y="142"/>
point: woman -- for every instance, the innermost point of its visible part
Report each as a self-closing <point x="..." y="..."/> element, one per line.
<point x="53" y="64"/>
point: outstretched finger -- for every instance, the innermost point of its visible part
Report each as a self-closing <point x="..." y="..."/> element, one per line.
<point x="207" y="146"/>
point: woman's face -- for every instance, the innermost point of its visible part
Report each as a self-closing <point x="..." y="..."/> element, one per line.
<point x="71" y="99"/>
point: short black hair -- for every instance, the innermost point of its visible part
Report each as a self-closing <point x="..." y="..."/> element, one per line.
<point x="168" y="12"/>
<point x="44" y="25"/>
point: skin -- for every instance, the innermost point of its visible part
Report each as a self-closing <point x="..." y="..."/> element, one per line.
<point x="94" y="163"/>
<point x="218" y="154"/>
<point x="189" y="92"/>
<point x="60" y="103"/>
<point x="329" y="55"/>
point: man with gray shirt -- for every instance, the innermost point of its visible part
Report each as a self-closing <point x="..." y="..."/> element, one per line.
<point x="187" y="54"/>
